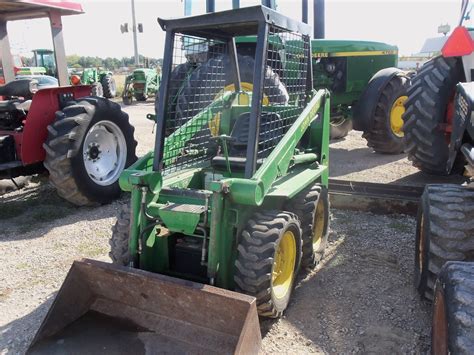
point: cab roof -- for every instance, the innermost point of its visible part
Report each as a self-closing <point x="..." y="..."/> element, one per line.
<point x="28" y="9"/>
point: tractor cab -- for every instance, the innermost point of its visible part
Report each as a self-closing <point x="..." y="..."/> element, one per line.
<point x="45" y="58"/>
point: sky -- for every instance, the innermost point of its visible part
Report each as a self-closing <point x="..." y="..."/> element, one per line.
<point x="404" y="23"/>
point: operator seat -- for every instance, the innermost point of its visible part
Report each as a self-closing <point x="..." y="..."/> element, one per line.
<point x="271" y="130"/>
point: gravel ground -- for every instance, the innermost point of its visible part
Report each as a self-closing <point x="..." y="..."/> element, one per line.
<point x="359" y="300"/>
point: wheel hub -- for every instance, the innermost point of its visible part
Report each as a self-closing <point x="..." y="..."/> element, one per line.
<point x="104" y="152"/>
<point x="318" y="225"/>
<point x="284" y="265"/>
<point x="396" y="113"/>
<point x="93" y="152"/>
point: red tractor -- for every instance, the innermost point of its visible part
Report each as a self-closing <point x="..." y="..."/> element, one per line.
<point x="428" y="119"/>
<point x="83" y="141"/>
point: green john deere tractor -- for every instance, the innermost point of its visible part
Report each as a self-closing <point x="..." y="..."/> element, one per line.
<point x="102" y="81"/>
<point x="368" y="92"/>
<point x="234" y="195"/>
<point x="141" y="84"/>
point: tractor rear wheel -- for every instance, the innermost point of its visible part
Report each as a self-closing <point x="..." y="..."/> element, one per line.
<point x="197" y="94"/>
<point x="97" y="90"/>
<point x="443" y="233"/>
<point x="88" y="146"/>
<point x="312" y="208"/>
<point x="386" y="135"/>
<point x="109" y="86"/>
<point x="429" y="111"/>
<point x="453" y="310"/>
<point x="268" y="260"/>
<point x="119" y="248"/>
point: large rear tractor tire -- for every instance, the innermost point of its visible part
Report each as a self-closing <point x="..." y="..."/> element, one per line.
<point x="429" y="111"/>
<point x="444" y="232"/>
<point x="109" y="86"/>
<point x="453" y="310"/>
<point x="88" y="146"/>
<point x="386" y="135"/>
<point x="312" y="208"/>
<point x="196" y="92"/>
<point x="119" y="248"/>
<point x="268" y="260"/>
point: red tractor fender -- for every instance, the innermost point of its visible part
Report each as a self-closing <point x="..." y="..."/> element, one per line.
<point x="44" y="105"/>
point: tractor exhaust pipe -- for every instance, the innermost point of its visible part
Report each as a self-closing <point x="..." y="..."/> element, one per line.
<point x="105" y="308"/>
<point x="319" y="16"/>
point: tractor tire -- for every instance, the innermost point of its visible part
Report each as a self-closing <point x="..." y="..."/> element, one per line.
<point x="196" y="93"/>
<point x="127" y="100"/>
<point x="141" y="97"/>
<point x="429" y="103"/>
<point x="444" y="232"/>
<point x="260" y="257"/>
<point x="453" y="310"/>
<point x="97" y="90"/>
<point x="81" y="172"/>
<point x="386" y="136"/>
<point x="340" y="129"/>
<point x="109" y="86"/>
<point x="312" y="208"/>
<point x="119" y="248"/>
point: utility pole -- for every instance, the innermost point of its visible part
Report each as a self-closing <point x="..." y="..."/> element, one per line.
<point x="135" y="37"/>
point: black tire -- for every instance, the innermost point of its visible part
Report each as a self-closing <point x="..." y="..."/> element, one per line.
<point x="64" y="150"/>
<point x="426" y="112"/>
<point x="119" y="248"/>
<point x="444" y="232"/>
<point x="340" y="128"/>
<point x="312" y="208"/>
<point x="97" y="90"/>
<point x="256" y="254"/>
<point x="452" y="329"/>
<point x="109" y="86"/>
<point x="381" y="137"/>
<point x="127" y="99"/>
<point x="198" y="85"/>
<point x="140" y="97"/>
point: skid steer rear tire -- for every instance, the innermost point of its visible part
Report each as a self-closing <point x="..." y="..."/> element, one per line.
<point x="68" y="161"/>
<point x="197" y="92"/>
<point x="109" y="86"/>
<point x="383" y="137"/>
<point x="119" y="247"/>
<point x="312" y="208"/>
<point x="444" y="232"/>
<point x="430" y="93"/>
<point x="453" y="310"/>
<point x="259" y="257"/>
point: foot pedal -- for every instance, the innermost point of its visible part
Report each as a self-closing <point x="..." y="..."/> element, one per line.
<point x="181" y="218"/>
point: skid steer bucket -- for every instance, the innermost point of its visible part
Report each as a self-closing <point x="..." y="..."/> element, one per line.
<point x="104" y="308"/>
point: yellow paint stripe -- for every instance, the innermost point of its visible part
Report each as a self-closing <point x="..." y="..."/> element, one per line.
<point x="353" y="54"/>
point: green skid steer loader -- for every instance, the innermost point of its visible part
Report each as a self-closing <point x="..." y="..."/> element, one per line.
<point x="225" y="211"/>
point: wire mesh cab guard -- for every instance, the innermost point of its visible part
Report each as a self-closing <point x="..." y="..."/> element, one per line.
<point x="204" y="69"/>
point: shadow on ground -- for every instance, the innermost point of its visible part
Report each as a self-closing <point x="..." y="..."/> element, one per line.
<point x="39" y="206"/>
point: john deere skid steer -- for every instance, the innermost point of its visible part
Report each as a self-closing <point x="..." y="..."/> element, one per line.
<point x="233" y="198"/>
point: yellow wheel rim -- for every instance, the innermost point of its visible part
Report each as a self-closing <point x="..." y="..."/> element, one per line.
<point x="318" y="225"/>
<point x="242" y="100"/>
<point x="396" y="113"/>
<point x="284" y="265"/>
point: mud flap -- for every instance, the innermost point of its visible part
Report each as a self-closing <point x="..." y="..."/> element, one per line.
<point x="105" y="308"/>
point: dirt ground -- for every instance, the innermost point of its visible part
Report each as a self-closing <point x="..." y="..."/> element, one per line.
<point x="359" y="300"/>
